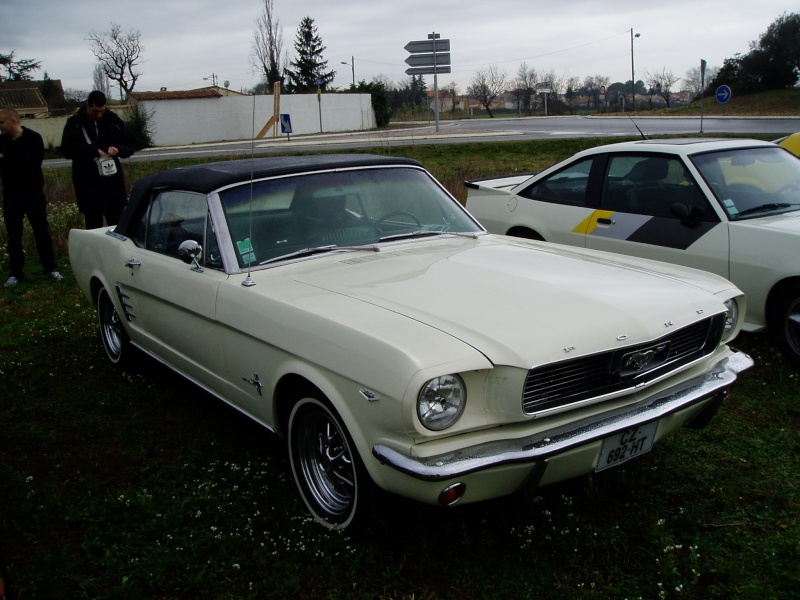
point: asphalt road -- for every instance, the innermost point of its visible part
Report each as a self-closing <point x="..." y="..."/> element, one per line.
<point x="478" y="130"/>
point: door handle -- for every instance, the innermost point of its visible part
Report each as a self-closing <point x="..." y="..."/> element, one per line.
<point x="605" y="221"/>
<point x="133" y="263"/>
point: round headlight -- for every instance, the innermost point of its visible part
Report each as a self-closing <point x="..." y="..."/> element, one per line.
<point x="731" y="318"/>
<point x="441" y="402"/>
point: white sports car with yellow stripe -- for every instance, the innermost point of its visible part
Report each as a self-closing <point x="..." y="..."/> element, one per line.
<point x="730" y="206"/>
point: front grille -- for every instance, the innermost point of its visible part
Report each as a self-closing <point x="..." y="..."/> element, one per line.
<point x="561" y="384"/>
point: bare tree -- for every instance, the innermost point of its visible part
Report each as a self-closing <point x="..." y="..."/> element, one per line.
<point x="75" y="96"/>
<point x="100" y="80"/>
<point x="524" y="86"/>
<point x="267" y="46"/>
<point x="692" y="81"/>
<point x="486" y="85"/>
<point x="119" y="53"/>
<point x="570" y="91"/>
<point x="661" y="83"/>
<point x="556" y="84"/>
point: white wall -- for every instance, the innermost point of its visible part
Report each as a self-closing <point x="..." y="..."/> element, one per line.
<point x="179" y="122"/>
<point x="50" y="129"/>
<point x="183" y="122"/>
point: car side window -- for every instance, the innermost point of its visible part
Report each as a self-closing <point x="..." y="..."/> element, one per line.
<point x="174" y="217"/>
<point x="567" y="186"/>
<point x="659" y="186"/>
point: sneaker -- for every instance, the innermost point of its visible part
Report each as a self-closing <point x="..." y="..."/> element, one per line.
<point x="55" y="276"/>
<point x="12" y="281"/>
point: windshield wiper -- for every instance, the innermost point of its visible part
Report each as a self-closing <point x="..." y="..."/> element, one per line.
<point x="428" y="232"/>
<point x="318" y="250"/>
<point x="765" y="207"/>
<point x="299" y="253"/>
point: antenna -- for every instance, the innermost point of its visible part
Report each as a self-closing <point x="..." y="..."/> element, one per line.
<point x="644" y="137"/>
<point x="248" y="282"/>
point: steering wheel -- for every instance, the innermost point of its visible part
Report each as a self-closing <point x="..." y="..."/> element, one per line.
<point x="397" y="213"/>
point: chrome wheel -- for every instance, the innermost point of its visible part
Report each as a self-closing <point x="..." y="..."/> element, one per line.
<point x="115" y="338"/>
<point x="324" y="463"/>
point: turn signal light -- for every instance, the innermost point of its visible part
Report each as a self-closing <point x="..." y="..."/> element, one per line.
<point x="452" y="494"/>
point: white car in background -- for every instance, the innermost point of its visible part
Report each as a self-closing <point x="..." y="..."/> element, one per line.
<point x="728" y="206"/>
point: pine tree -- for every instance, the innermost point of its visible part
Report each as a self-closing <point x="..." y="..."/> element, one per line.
<point x="308" y="70"/>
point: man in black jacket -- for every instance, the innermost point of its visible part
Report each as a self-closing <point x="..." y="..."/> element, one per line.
<point x="21" y="155"/>
<point x="93" y="134"/>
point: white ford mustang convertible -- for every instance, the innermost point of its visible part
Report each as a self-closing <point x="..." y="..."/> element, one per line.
<point x="352" y="306"/>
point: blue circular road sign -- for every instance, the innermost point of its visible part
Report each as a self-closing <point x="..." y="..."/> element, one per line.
<point x="723" y="94"/>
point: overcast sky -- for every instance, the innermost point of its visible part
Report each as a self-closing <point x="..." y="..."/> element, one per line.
<point x="187" y="41"/>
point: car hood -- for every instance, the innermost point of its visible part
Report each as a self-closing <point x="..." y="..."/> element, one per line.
<point x="784" y="222"/>
<point x="521" y="303"/>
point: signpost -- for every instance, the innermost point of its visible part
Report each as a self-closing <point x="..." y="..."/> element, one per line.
<point x="544" y="88"/>
<point x="318" y="82"/>
<point x="702" y="91"/>
<point x="429" y="57"/>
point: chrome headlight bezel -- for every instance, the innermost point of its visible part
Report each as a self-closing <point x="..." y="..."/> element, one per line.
<point x="731" y="318"/>
<point x="441" y="402"/>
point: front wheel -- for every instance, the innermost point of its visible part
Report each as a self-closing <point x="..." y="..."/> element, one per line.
<point x="784" y="322"/>
<point x="115" y="339"/>
<point x="327" y="469"/>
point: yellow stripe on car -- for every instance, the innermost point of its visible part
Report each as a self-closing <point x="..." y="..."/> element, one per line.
<point x="589" y="224"/>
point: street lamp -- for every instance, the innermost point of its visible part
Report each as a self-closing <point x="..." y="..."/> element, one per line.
<point x="352" y="64"/>
<point x="633" y="76"/>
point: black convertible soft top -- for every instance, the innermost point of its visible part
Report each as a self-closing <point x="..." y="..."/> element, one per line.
<point x="205" y="178"/>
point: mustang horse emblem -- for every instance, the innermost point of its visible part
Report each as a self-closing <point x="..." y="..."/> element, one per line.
<point x="645" y="359"/>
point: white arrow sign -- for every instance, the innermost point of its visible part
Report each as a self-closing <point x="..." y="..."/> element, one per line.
<point x="418" y="46"/>
<point x="428" y="60"/>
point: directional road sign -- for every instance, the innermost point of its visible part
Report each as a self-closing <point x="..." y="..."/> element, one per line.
<point x="431" y="70"/>
<point x="427" y="60"/>
<point x="286" y="123"/>
<point x="416" y="47"/>
<point x="428" y="57"/>
<point x="723" y="94"/>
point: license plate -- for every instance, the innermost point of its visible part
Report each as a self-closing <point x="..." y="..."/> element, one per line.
<point x="626" y="445"/>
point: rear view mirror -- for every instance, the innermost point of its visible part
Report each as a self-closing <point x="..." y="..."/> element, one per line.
<point x="190" y="252"/>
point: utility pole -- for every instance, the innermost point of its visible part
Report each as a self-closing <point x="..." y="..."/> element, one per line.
<point x="633" y="76"/>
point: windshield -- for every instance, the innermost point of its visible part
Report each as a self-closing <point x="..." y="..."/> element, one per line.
<point x="752" y="182"/>
<point x="288" y="216"/>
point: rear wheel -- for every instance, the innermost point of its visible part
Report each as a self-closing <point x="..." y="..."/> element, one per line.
<point x="115" y="339"/>
<point x="524" y="232"/>
<point x="785" y="322"/>
<point x="327" y="469"/>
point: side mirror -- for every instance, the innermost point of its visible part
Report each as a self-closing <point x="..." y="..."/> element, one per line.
<point x="684" y="213"/>
<point x="190" y="252"/>
<point x="680" y="210"/>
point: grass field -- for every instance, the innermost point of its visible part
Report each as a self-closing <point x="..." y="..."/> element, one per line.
<point x="132" y="485"/>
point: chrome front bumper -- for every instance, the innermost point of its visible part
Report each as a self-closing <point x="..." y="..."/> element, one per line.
<point x="714" y="383"/>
